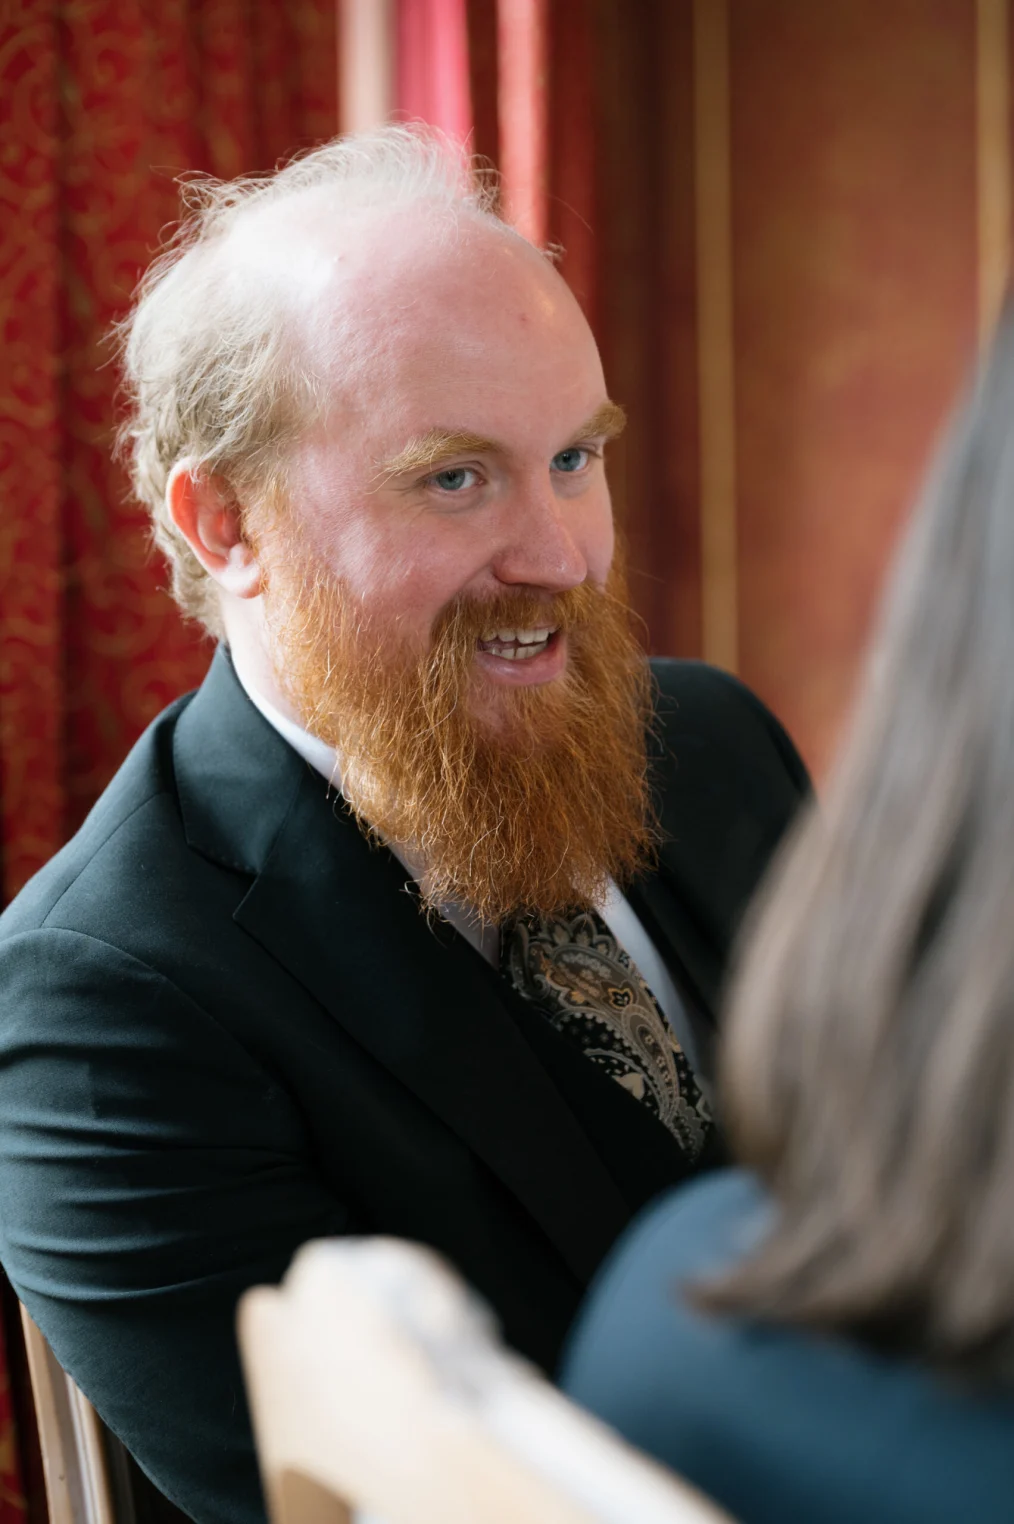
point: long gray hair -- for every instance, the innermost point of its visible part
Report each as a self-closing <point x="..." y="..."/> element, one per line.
<point x="869" y="1065"/>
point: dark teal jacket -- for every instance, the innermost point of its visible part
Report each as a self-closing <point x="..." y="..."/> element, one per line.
<point x="225" y="1028"/>
<point x="778" y="1426"/>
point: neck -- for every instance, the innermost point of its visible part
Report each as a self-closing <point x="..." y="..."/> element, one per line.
<point x="246" y="638"/>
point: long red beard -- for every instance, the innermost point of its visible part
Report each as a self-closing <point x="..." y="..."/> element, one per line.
<point x="513" y="799"/>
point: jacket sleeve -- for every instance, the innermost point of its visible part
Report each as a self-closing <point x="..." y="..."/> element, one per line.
<point x="150" y="1171"/>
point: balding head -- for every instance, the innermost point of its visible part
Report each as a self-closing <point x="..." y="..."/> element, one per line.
<point x="349" y="287"/>
<point x="222" y="351"/>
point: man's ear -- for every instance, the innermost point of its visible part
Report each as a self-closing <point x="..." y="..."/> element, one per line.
<point x="207" y="515"/>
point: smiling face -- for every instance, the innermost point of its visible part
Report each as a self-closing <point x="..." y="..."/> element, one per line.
<point x="436" y="596"/>
<point x="464" y="456"/>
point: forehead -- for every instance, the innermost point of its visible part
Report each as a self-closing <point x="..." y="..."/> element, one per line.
<point x="451" y="325"/>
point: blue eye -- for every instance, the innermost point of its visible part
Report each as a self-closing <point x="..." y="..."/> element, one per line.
<point x="574" y="459"/>
<point x="454" y="479"/>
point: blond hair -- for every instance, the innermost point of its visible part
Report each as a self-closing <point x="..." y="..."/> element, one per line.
<point x="209" y="374"/>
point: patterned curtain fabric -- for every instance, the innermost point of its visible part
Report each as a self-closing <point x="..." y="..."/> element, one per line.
<point x="102" y="103"/>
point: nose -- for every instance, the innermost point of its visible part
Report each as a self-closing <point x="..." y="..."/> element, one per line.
<point x="541" y="545"/>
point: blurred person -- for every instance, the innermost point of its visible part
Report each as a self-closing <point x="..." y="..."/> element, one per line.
<point x="412" y="919"/>
<point x="827" y="1334"/>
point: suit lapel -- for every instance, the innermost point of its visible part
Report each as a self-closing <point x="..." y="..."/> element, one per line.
<point x="337" y="914"/>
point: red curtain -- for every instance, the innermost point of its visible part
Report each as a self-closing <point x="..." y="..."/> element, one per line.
<point x="431" y="65"/>
<point x="102" y="103"/>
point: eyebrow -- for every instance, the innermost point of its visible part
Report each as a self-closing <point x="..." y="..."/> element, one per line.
<point x="423" y="453"/>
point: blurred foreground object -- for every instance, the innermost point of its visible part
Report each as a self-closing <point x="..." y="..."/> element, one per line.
<point x="376" y="1381"/>
<point x="89" y="1475"/>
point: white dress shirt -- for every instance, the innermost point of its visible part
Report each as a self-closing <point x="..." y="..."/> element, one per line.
<point x="616" y="910"/>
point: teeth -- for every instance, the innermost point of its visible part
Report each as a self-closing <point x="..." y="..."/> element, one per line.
<point x="522" y="637"/>
<point x="519" y="653"/>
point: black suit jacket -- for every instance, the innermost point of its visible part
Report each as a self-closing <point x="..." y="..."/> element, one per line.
<point x="226" y="1028"/>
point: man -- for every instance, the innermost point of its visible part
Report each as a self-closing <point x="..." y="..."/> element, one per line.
<point x="371" y="934"/>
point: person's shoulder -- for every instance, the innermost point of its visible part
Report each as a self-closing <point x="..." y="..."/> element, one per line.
<point x="694" y="1229"/>
<point x="636" y="1303"/>
<point x="136" y="807"/>
<point x="771" y="1420"/>
<point x="697" y="705"/>
<point x="727" y="783"/>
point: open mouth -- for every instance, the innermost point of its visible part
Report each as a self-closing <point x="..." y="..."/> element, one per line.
<point x="518" y="645"/>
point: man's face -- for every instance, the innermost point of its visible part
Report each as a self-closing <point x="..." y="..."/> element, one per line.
<point x="439" y="604"/>
<point x="464" y="456"/>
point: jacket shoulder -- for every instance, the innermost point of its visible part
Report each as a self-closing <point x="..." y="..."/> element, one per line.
<point x="696" y="700"/>
<point x="141" y="788"/>
<point x="727" y="783"/>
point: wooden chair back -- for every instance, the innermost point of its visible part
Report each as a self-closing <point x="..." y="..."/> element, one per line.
<point x="379" y="1390"/>
<point x="72" y="1440"/>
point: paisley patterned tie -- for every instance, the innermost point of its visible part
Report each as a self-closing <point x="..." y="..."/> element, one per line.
<point x="574" y="968"/>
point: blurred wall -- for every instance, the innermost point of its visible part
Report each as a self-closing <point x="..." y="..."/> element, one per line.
<point x="803" y="220"/>
<point x="102" y="104"/>
<point x="856" y="291"/>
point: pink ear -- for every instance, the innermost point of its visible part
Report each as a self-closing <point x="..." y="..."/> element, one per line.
<point x="208" y="517"/>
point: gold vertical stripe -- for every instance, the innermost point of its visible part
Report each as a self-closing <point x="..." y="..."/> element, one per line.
<point x="993" y="158"/>
<point x="715" y="360"/>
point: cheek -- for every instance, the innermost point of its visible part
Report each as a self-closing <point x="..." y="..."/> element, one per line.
<point x="404" y="565"/>
<point x="335" y="525"/>
<point x="358" y="545"/>
<point x="435" y="557"/>
<point x="408" y="580"/>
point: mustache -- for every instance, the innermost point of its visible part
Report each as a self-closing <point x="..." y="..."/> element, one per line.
<point x="467" y="618"/>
